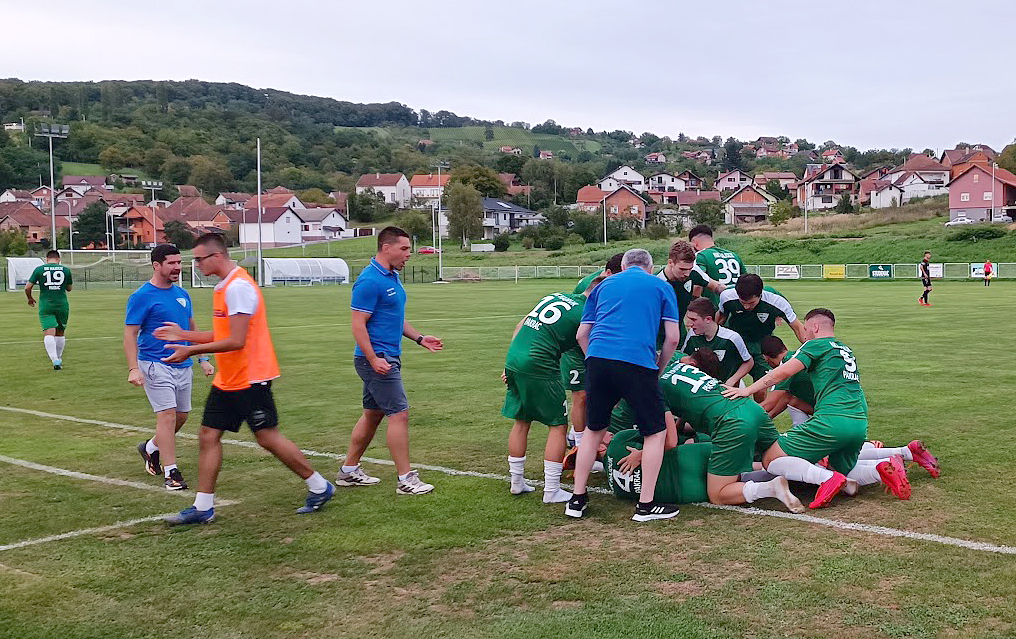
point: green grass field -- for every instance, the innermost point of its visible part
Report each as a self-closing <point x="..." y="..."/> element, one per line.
<point x="469" y="560"/>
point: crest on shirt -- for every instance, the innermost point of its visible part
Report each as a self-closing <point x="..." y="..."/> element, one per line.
<point x="762" y="316"/>
<point x="183" y="301"/>
<point x="390" y="291"/>
<point x="687" y="285"/>
<point x="720" y="353"/>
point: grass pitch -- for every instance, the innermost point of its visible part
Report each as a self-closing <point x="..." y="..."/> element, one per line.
<point x="469" y="560"/>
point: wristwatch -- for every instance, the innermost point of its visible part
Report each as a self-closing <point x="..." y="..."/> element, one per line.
<point x="419" y="340"/>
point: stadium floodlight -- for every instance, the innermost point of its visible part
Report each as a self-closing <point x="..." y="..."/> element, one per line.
<point x="153" y="186"/>
<point x="261" y="275"/>
<point x="51" y="131"/>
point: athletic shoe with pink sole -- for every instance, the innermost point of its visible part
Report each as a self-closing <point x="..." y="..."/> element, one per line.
<point x="923" y="458"/>
<point x="827" y="490"/>
<point x="894" y="476"/>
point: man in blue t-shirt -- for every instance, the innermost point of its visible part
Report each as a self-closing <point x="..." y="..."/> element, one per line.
<point x="168" y="386"/>
<point x="379" y="323"/>
<point x="618" y="335"/>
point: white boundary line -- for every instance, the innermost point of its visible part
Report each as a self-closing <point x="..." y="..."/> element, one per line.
<point x="84" y="531"/>
<point x="76" y="475"/>
<point x="758" y="512"/>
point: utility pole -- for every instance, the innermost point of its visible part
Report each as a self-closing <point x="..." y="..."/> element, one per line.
<point x="51" y="131"/>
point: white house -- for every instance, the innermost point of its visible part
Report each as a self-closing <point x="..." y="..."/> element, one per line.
<point x="232" y="200"/>
<point x="15" y="195"/>
<point x="666" y="182"/>
<point x="394" y="188"/>
<point x="732" y="180"/>
<point x="428" y="189"/>
<point x="885" y="194"/>
<point x="280" y="226"/>
<point x="920" y="176"/>
<point x="321" y="223"/>
<point x="623" y="176"/>
<point x="656" y="158"/>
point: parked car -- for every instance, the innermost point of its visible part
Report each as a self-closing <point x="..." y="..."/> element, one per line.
<point x="427" y="250"/>
<point x="960" y="221"/>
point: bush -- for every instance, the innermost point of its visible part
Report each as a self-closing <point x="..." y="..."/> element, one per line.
<point x="573" y="239"/>
<point x="527" y="242"/>
<point x="657" y="232"/>
<point x="553" y="242"/>
<point x="501" y="242"/>
<point x="772" y="245"/>
<point x="418" y="225"/>
<point x="974" y="233"/>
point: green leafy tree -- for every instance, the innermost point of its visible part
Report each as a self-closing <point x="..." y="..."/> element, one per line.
<point x="113" y="158"/>
<point x="465" y="212"/>
<point x="502" y="242"/>
<point x="180" y="234"/>
<point x="732" y="155"/>
<point x="844" y="205"/>
<point x="152" y="161"/>
<point x="91" y="225"/>
<point x="483" y="179"/>
<point x="557" y="217"/>
<point x="488" y="133"/>
<point x="209" y="174"/>
<point x="418" y="225"/>
<point x="509" y="163"/>
<point x="781" y="212"/>
<point x="365" y="207"/>
<point x="708" y="212"/>
<point x="1007" y="158"/>
<point x="176" y="170"/>
<point x="777" y="190"/>
<point x="13" y="242"/>
<point x="588" y="225"/>
<point x="314" y="196"/>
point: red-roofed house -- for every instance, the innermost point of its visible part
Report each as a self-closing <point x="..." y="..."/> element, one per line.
<point x="232" y="200"/>
<point x="27" y="218"/>
<point x="785" y="178"/>
<point x="590" y="198"/>
<point x="82" y="183"/>
<point x="280" y="226"/>
<point x="881" y="194"/>
<point x="511" y="149"/>
<point x="341" y="202"/>
<point x="748" y="204"/>
<point x="144" y="225"/>
<point x="930" y="170"/>
<point x="656" y="158"/>
<point x="392" y="187"/>
<point x="514" y="184"/>
<point x="626" y="203"/>
<point x="823" y="185"/>
<point x="428" y="189"/>
<point x="980" y="155"/>
<point x="691" y="181"/>
<point x="732" y="180"/>
<point x="832" y="155"/>
<point x="16" y="195"/>
<point x="983" y="194"/>
<point x="546" y="155"/>
<point x="274" y="199"/>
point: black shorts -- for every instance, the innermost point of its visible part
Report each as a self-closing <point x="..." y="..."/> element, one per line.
<point x="226" y="410"/>
<point x="610" y="380"/>
<point x="925" y="282"/>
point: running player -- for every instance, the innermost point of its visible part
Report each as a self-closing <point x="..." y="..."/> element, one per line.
<point x="729" y="347"/>
<point x="796" y="395"/>
<point x="573" y="364"/>
<point x="242" y="388"/>
<point x="54" y="281"/>
<point x="722" y="265"/>
<point x="535" y="391"/>
<point x="925" y="270"/>
<point x="839" y="426"/>
<point x="987" y="272"/>
<point x="168" y="386"/>
<point x="751" y="310"/>
<point x="686" y="278"/>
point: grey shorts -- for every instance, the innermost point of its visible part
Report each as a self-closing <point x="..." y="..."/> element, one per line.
<point x="167" y="387"/>
<point x="382" y="392"/>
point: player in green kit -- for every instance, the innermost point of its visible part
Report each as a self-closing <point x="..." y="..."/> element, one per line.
<point x="686" y="278"/>
<point x="795" y="395"/>
<point x="704" y="332"/>
<point x="535" y="391"/>
<point x="718" y="263"/>
<point x="839" y="427"/>
<point x="54" y="281"/>
<point x="573" y="364"/>
<point x="751" y="310"/>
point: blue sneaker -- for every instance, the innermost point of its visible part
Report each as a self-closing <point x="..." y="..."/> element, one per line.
<point x="316" y="500"/>
<point x="57" y="364"/>
<point x="191" y="516"/>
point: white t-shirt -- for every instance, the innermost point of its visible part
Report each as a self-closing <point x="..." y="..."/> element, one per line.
<point x="241" y="296"/>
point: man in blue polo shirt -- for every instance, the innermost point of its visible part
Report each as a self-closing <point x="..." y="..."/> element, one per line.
<point x="379" y="323"/>
<point x="168" y="386"/>
<point x="618" y="335"/>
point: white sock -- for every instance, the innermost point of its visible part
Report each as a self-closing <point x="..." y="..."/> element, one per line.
<point x="349" y="469"/>
<point x="757" y="475"/>
<point x="552" y="492"/>
<point x="886" y="453"/>
<point x="166" y="469"/>
<point x="60" y="341"/>
<point x="797" y="469"/>
<point x="571" y="433"/>
<point x="776" y="488"/>
<point x="50" y="343"/>
<point x="578" y="437"/>
<point x="864" y="474"/>
<point x="404" y="477"/>
<point x="203" y="501"/>
<point x="316" y="483"/>
<point x="150" y="447"/>
<point x="517" y="467"/>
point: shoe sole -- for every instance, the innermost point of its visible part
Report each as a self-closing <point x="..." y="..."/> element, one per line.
<point x="900" y="488"/>
<point x="191" y="523"/>
<point x="574" y="513"/>
<point x="641" y="518"/>
<point x="399" y="491"/>
<point x="348" y="484"/>
<point x="183" y="487"/>
<point x="148" y="465"/>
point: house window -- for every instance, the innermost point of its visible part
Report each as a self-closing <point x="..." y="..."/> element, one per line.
<point x="288" y="220"/>
<point x="613" y="210"/>
<point x="975" y="177"/>
<point x="827" y="199"/>
<point x="306" y="227"/>
<point x="987" y="195"/>
<point x="964" y="197"/>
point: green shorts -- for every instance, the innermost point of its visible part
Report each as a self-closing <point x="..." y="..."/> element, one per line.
<point x="53" y="317"/>
<point x="760" y="367"/>
<point x="741" y="433"/>
<point x="838" y="437"/>
<point x="533" y="399"/>
<point x="682" y="477"/>
<point x="573" y="370"/>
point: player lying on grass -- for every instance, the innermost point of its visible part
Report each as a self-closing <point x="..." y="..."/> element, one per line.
<point x="736" y="429"/>
<point x="535" y="389"/>
<point x="703" y="332"/>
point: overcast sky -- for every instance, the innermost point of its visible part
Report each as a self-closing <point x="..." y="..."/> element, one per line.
<point x="886" y="74"/>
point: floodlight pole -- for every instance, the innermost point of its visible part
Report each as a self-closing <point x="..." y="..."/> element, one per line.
<point x="153" y="187"/>
<point x="51" y="131"/>
<point x="604" y="221"/>
<point x="70" y="229"/>
<point x="261" y="271"/>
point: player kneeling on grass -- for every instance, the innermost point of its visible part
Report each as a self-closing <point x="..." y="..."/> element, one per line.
<point x="535" y="391"/>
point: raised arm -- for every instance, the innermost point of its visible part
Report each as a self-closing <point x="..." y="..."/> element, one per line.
<point x="786" y="370"/>
<point x="798" y="327"/>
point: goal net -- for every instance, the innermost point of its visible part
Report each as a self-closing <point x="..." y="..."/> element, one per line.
<point x="19" y="269"/>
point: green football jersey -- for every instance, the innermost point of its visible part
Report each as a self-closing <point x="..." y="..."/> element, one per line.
<point x="799" y="385"/>
<point x="586" y="281"/>
<point x="832" y="368"/>
<point x="721" y="265"/>
<point x="760" y="321"/>
<point x="728" y="346"/>
<point x="52" y="280"/>
<point x="682" y="476"/>
<point x="684" y="292"/>
<point x="547" y="332"/>
<point x="696" y="397"/>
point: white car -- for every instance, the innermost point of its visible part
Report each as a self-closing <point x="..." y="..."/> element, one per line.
<point x="960" y="221"/>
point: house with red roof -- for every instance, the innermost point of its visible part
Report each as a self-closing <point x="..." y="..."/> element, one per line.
<point x="145" y="225"/>
<point x="824" y="184"/>
<point x="691" y="180"/>
<point x="623" y="176"/>
<point x="748" y="204"/>
<point x="626" y="204"/>
<point x="785" y="178"/>
<point x="664" y="181"/>
<point x="928" y="169"/>
<point x="27" y="218"/>
<point x="731" y="180"/>
<point x="513" y="184"/>
<point x="274" y="198"/>
<point x="546" y="155"/>
<point x="393" y="188"/>
<point x="656" y="158"/>
<point x="834" y="156"/>
<point x="983" y="194"/>
<point x="280" y="226"/>
<point x="976" y="154"/>
<point x="82" y="183"/>
<point x="590" y="198"/>
<point x="16" y="195"/>
<point x="428" y="189"/>
<point x="881" y="194"/>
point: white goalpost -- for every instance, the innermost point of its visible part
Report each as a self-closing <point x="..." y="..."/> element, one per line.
<point x="19" y="269"/>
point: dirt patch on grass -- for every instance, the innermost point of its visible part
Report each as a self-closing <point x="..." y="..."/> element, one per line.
<point x="312" y="578"/>
<point x="381" y="564"/>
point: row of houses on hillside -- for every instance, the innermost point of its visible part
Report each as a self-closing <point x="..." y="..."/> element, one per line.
<point x="422" y="190"/>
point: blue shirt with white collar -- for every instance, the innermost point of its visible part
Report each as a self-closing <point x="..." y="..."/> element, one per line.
<point x="378" y="291"/>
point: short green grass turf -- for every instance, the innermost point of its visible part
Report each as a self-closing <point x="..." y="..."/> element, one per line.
<point x="469" y="559"/>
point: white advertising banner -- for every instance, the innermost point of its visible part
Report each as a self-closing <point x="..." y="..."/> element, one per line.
<point x="787" y="272"/>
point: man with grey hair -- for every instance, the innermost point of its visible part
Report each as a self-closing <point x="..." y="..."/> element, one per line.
<point x="618" y="336"/>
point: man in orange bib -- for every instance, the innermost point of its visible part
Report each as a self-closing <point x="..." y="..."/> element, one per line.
<point x="242" y="388"/>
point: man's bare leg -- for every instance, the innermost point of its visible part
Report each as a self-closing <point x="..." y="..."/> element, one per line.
<point x="363" y="434"/>
<point x="397" y="437"/>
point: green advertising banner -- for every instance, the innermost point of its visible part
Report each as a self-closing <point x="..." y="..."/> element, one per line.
<point x="880" y="271"/>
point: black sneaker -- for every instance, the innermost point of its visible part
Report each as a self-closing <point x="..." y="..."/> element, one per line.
<point x="152" y="464"/>
<point x="175" y="480"/>
<point x="653" y="510"/>
<point x="576" y="505"/>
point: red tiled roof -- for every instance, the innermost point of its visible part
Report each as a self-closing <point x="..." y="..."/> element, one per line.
<point x="190" y="209"/>
<point x="920" y="162"/>
<point x="1000" y="174"/>
<point x="236" y="197"/>
<point x="428" y="180"/>
<point x="273" y="199"/>
<point x="687" y="198"/>
<point x="590" y="195"/>
<point x="91" y="180"/>
<point x="20" y="194"/>
<point x="279" y="189"/>
<point x="372" y="180"/>
<point x="146" y="212"/>
<point x="25" y="214"/>
<point x="340" y="199"/>
<point x="186" y="190"/>
<point x="831" y="152"/>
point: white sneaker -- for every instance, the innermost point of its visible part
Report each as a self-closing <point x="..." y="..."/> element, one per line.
<point x="355" y="478"/>
<point x="413" y="485"/>
<point x="597" y="467"/>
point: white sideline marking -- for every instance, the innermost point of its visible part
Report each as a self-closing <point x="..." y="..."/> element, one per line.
<point x="758" y="512"/>
<point x="76" y="475"/>
<point x="83" y="532"/>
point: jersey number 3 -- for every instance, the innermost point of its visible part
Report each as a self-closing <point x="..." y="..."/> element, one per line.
<point x="730" y="270"/>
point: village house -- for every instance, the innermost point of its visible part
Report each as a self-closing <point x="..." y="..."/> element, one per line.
<point x="82" y="183"/>
<point x="280" y="226"/>
<point x="626" y="204"/>
<point x="881" y="194"/>
<point x="321" y="223"/>
<point x="983" y="194"/>
<point x="27" y="218"/>
<point x="785" y="178"/>
<point x="691" y="181"/>
<point x="656" y="158"/>
<point x="834" y="156"/>
<point x="233" y="201"/>
<point x="427" y="189"/>
<point x="513" y="184"/>
<point x="748" y="204"/>
<point x="823" y="185"/>
<point x="393" y="188"/>
<point x="732" y="180"/>
<point x="665" y="182"/>
<point x="546" y="155"/>
<point x="590" y="198"/>
<point x="623" y="176"/>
